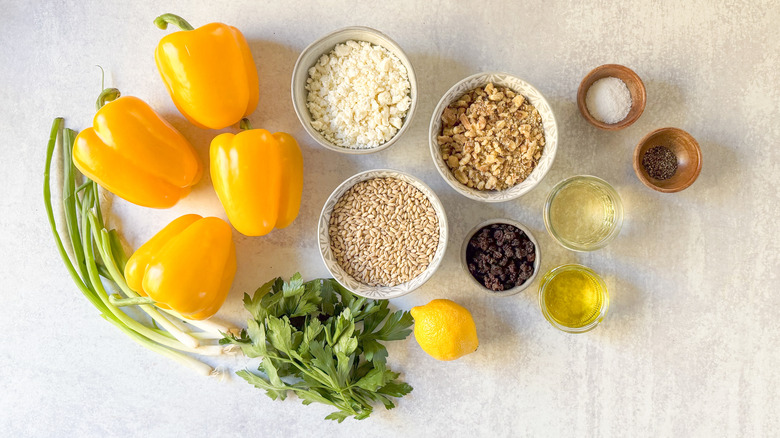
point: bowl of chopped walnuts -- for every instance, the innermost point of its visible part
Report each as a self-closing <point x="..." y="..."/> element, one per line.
<point x="493" y="137"/>
<point x="382" y="233"/>
<point x="354" y="90"/>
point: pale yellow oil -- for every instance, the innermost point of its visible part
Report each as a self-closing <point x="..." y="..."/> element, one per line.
<point x="573" y="298"/>
<point x="582" y="214"/>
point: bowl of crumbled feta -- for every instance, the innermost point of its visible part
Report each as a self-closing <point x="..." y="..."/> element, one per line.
<point x="354" y="90"/>
<point x="493" y="137"/>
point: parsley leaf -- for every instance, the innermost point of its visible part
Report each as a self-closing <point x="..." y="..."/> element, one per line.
<point x="294" y="287"/>
<point x="396" y="327"/>
<point x="323" y="343"/>
<point x="374" y="351"/>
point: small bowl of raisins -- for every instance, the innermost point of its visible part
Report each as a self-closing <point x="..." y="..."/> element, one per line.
<point x="501" y="256"/>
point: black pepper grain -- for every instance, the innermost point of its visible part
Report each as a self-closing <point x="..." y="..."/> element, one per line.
<point x="660" y="162"/>
<point x="500" y="257"/>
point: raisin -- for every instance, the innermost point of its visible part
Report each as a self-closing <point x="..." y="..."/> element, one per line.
<point x="500" y="257"/>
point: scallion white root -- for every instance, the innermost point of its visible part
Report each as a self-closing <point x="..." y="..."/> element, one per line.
<point x="211" y="325"/>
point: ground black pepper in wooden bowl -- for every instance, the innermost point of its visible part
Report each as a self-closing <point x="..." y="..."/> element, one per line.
<point x="660" y="162"/>
<point x="500" y="257"/>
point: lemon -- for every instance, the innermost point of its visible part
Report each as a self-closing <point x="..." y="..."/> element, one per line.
<point x="445" y="329"/>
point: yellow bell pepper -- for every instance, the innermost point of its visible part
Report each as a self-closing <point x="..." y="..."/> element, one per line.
<point x="188" y="266"/>
<point x="258" y="177"/>
<point x="209" y="72"/>
<point x="134" y="153"/>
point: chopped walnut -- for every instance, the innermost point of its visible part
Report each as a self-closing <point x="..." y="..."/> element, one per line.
<point x="491" y="138"/>
<point x="465" y="122"/>
<point x="449" y="117"/>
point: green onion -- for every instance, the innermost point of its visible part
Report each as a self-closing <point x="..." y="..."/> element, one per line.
<point x="97" y="265"/>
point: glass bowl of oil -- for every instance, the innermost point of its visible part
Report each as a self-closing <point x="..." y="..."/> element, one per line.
<point x="573" y="298"/>
<point x="583" y="213"/>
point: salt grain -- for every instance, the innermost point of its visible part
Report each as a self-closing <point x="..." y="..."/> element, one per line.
<point x="608" y="100"/>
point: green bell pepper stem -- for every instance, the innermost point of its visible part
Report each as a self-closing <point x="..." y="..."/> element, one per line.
<point x="245" y="124"/>
<point x="165" y="19"/>
<point x="107" y="95"/>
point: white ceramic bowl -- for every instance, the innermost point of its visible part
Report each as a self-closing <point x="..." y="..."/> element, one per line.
<point x="324" y="45"/>
<point x="516" y="289"/>
<point x="548" y="123"/>
<point x="379" y="292"/>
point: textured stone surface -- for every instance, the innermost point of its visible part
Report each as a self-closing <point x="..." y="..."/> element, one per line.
<point x="691" y="344"/>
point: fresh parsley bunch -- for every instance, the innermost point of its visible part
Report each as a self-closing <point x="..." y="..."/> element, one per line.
<point x="323" y="343"/>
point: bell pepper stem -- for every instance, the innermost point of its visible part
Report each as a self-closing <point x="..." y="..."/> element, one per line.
<point x="118" y="301"/>
<point x="163" y="20"/>
<point x="102" y="77"/>
<point x="107" y="95"/>
<point x="245" y="124"/>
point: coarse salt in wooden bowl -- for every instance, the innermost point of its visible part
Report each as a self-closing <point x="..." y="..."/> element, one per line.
<point x="634" y="84"/>
<point x="684" y="147"/>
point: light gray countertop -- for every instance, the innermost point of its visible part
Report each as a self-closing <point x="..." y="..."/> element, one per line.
<point x="690" y="346"/>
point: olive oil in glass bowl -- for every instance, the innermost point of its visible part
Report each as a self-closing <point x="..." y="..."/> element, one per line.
<point x="573" y="298"/>
<point x="583" y="213"/>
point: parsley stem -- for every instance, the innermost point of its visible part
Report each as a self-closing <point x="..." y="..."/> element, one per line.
<point x="360" y="398"/>
<point x="348" y="404"/>
<point x="324" y="385"/>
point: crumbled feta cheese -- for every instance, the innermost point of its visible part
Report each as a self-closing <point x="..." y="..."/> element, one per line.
<point x="358" y="95"/>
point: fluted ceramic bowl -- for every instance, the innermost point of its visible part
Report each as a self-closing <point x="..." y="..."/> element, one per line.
<point x="338" y="273"/>
<point x="323" y="46"/>
<point x="548" y="123"/>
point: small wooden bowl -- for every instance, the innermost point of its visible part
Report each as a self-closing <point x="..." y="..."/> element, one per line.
<point x="683" y="146"/>
<point x="635" y="86"/>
